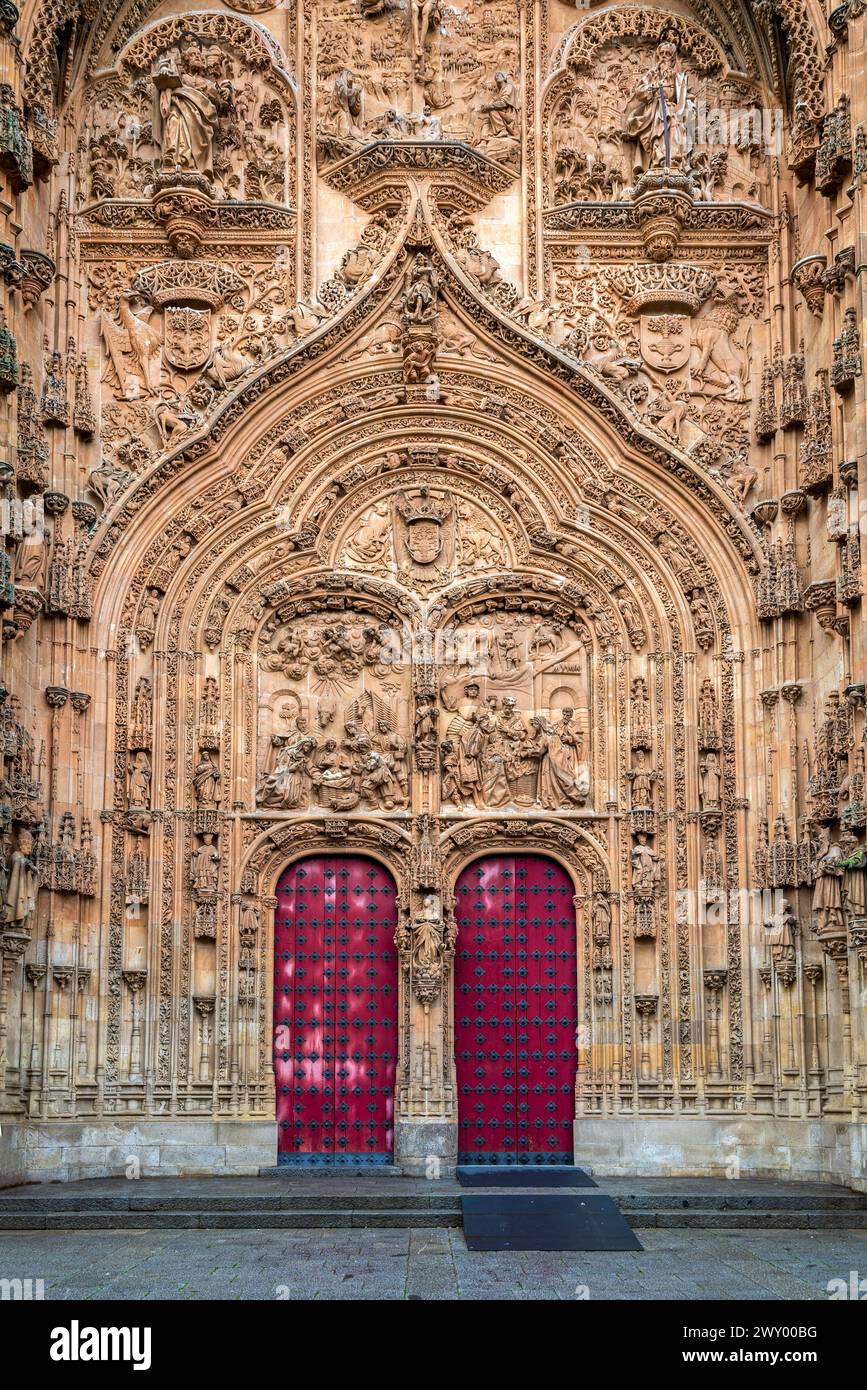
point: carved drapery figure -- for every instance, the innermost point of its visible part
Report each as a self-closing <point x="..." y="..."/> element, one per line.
<point x="562" y="780"/>
<point x="828" y="916"/>
<point x="22" y="886"/>
<point x="781" y="932"/>
<point x="205" y="866"/>
<point x="186" y="119"/>
<point x="660" y="115"/>
<point x="139" y="790"/>
<point x="711" y="782"/>
<point x="206" y="780"/>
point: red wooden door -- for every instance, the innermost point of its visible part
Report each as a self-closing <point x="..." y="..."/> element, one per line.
<point x="515" y="1011"/>
<point x="335" y="1011"/>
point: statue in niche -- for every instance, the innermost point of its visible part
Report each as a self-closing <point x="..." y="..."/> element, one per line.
<point x="206" y="781"/>
<point x="642" y="777"/>
<point x="828" y="916"/>
<point x="22" y="886"/>
<point x="711" y="782"/>
<point x="640" y="704"/>
<point x="660" y="115"/>
<point x="30" y="561"/>
<point x="707" y="706"/>
<point x="645" y="867"/>
<point x="427" y="932"/>
<point x="854" y="865"/>
<point x="427" y="717"/>
<point x="139" y="793"/>
<point x="601" y="919"/>
<point x="249" y="923"/>
<point x="142" y="704"/>
<point x="205" y="866"/>
<point x="781" y="932"/>
<point x="186" y="119"/>
<point x="147" y="618"/>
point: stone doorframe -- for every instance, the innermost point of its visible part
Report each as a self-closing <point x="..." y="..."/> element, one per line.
<point x="425" y="866"/>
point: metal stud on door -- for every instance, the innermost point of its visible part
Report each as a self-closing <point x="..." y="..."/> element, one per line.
<point x="515" y="1011"/>
<point x="335" y="1011"/>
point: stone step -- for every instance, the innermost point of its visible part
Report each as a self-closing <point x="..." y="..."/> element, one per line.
<point x="731" y="1220"/>
<point x="735" y="1200"/>
<point x="248" y="1215"/>
<point x="316" y="1200"/>
<point x="275" y="1219"/>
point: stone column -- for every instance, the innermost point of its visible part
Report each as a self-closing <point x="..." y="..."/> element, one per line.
<point x="714" y="983"/>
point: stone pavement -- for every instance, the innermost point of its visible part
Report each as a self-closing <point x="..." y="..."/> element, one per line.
<point x="423" y="1264"/>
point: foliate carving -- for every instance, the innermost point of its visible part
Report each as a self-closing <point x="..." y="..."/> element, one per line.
<point x="808" y="277"/>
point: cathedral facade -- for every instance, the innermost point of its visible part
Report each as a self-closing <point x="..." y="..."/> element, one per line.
<point x="433" y="703"/>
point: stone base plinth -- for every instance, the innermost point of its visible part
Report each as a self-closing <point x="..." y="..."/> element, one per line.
<point x="66" y="1150"/>
<point x="720" y="1146"/>
<point x="426" y="1148"/>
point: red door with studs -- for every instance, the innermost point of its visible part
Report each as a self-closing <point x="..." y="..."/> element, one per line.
<point x="335" y="1011"/>
<point x="515" y="1011"/>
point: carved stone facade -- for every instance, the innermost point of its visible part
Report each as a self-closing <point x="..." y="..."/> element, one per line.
<point x="433" y="431"/>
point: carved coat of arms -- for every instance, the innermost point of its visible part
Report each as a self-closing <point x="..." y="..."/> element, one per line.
<point x="187" y="334"/>
<point x="424" y="535"/>
<point x="665" y="341"/>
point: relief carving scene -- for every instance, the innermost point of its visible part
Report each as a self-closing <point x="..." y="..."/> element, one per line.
<point x="433" y="446"/>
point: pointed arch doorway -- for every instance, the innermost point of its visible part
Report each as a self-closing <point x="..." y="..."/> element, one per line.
<point x="335" y="1011"/>
<point x="516" y="1010"/>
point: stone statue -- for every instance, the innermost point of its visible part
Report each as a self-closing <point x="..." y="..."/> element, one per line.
<point x="205" y="866"/>
<point x="854" y="865"/>
<point x="206" y="781"/>
<point x="186" y="119"/>
<point x="828" y="917"/>
<point x="22" y="886"/>
<point x="660" y="115"/>
<point x="711" y="782"/>
<point x="781" y="932"/>
<point x="139" y="793"/>
<point x="642" y="776"/>
<point x="645" y="867"/>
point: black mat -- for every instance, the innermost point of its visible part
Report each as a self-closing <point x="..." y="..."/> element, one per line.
<point x="544" y="1221"/>
<point x="522" y="1175"/>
